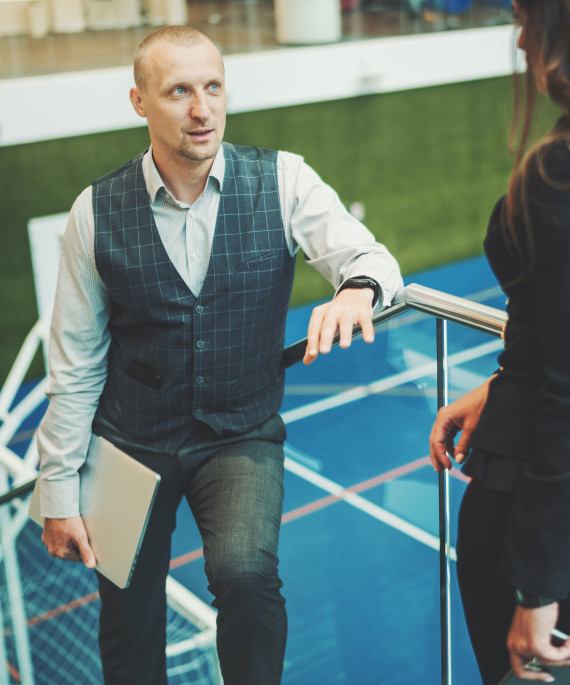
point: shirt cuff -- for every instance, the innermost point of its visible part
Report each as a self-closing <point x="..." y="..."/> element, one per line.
<point x="59" y="499"/>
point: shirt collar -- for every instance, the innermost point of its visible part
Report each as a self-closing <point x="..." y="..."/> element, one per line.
<point x="154" y="181"/>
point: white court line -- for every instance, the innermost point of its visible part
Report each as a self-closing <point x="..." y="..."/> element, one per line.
<point x="365" y="506"/>
<point x="401" y="391"/>
<point x="463" y="379"/>
<point x="361" y="391"/>
<point x="358" y="393"/>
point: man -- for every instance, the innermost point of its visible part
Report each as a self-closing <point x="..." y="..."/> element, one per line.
<point x="167" y="339"/>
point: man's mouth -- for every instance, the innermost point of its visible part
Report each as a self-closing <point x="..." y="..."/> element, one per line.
<point x="202" y="134"/>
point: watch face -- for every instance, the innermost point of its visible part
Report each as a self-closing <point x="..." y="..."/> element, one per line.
<point x="363" y="282"/>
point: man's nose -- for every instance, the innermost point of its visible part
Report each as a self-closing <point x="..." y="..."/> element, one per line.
<point x="199" y="106"/>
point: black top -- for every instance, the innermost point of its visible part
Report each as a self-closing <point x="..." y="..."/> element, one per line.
<point x="526" y="419"/>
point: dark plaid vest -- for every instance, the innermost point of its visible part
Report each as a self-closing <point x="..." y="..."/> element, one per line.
<point x="174" y="358"/>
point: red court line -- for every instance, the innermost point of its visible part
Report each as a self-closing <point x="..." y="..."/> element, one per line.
<point x="456" y="473"/>
<point x="359" y="487"/>
<point x="292" y="515"/>
<point x="63" y="609"/>
<point x="22" y="437"/>
<point x="319" y="504"/>
<point x="14" y="672"/>
<point x="187" y="558"/>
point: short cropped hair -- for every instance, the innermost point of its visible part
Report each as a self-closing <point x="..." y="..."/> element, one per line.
<point x="185" y="36"/>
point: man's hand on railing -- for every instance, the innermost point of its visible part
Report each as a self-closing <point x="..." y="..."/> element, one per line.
<point x="67" y="539"/>
<point x="351" y="307"/>
<point x="462" y="415"/>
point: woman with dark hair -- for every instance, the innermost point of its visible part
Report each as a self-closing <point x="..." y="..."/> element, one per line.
<point x="513" y="545"/>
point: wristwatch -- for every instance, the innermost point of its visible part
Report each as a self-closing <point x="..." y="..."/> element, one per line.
<point x="527" y="600"/>
<point x="362" y="282"/>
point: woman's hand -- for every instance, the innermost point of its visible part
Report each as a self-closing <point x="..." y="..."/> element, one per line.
<point x="529" y="641"/>
<point x="462" y="415"/>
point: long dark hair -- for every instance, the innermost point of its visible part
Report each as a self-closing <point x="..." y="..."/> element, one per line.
<point x="546" y="27"/>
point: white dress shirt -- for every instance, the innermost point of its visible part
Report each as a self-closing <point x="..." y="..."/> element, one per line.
<point x="314" y="220"/>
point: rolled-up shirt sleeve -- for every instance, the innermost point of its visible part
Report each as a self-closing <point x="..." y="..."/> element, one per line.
<point x="336" y="244"/>
<point x="78" y="346"/>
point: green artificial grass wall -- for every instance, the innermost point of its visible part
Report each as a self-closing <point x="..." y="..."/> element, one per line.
<point x="427" y="165"/>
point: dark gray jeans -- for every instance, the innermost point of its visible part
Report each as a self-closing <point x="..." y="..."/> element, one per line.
<point x="234" y="488"/>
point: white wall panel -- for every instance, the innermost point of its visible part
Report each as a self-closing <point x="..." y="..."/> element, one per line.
<point x="62" y="105"/>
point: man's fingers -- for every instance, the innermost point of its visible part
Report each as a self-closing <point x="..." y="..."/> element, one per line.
<point x="63" y="549"/>
<point x="83" y="548"/>
<point x="345" y="327"/>
<point x="367" y="328"/>
<point x="85" y="552"/>
<point x="340" y="315"/>
<point x="67" y="539"/>
<point x="328" y="331"/>
<point x="313" y="335"/>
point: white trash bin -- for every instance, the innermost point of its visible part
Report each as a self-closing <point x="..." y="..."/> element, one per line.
<point x="307" y="21"/>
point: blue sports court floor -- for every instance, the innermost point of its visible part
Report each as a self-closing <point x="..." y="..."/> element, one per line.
<point x="360" y="574"/>
<point x="358" y="550"/>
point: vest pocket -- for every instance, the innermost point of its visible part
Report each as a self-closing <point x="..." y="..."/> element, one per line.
<point x="256" y="261"/>
<point x="143" y="375"/>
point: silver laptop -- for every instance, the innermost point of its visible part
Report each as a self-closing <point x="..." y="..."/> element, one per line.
<point x="116" y="497"/>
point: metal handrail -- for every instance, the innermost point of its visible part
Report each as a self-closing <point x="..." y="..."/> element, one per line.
<point x="427" y="300"/>
<point x="415" y="296"/>
<point x="455" y="309"/>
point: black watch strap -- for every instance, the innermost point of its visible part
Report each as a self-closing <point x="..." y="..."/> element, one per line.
<point x="362" y="282"/>
<point x="529" y="601"/>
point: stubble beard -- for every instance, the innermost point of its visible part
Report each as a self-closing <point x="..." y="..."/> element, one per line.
<point x="193" y="153"/>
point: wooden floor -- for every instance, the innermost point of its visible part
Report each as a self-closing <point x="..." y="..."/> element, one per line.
<point x="238" y="26"/>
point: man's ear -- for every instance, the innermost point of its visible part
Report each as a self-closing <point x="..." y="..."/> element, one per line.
<point x="137" y="102"/>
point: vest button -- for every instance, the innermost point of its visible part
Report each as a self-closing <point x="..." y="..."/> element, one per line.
<point x="200" y="344"/>
<point x="199" y="380"/>
<point x="199" y="308"/>
<point x="198" y="413"/>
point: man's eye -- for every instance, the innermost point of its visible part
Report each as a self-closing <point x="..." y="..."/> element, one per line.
<point x="214" y="86"/>
<point x="178" y="91"/>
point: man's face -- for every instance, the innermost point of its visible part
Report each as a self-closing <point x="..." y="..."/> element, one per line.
<point x="183" y="100"/>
